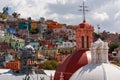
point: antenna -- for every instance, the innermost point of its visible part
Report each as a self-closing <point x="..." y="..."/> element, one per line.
<point x="83" y="9"/>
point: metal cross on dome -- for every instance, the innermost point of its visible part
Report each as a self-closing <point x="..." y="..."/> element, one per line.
<point x="83" y="8"/>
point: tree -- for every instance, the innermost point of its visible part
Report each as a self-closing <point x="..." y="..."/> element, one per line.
<point x="112" y="47"/>
<point x="42" y="78"/>
<point x="50" y="64"/>
<point x="15" y="15"/>
<point x="34" y="31"/>
<point x="4" y="15"/>
<point x="5" y="10"/>
<point x="96" y="36"/>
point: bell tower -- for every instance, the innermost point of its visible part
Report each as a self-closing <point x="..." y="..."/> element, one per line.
<point x="84" y="35"/>
<point x="84" y="32"/>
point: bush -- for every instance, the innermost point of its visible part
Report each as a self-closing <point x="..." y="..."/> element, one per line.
<point x="50" y="65"/>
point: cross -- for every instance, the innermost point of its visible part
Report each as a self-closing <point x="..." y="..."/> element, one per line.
<point x="83" y="8"/>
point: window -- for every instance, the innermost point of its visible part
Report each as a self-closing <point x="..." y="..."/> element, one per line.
<point x="82" y="42"/>
<point x="87" y="42"/>
<point x="15" y="66"/>
<point x="8" y="65"/>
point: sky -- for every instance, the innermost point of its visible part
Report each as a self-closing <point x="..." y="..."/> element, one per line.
<point x="105" y="13"/>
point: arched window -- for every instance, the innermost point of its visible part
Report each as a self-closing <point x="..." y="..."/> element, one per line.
<point x="87" y="42"/>
<point x="82" y="42"/>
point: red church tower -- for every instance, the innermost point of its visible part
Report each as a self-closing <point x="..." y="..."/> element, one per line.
<point x="81" y="57"/>
<point x="84" y="32"/>
<point x="84" y="35"/>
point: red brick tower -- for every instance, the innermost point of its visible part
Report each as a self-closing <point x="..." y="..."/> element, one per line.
<point x="84" y="35"/>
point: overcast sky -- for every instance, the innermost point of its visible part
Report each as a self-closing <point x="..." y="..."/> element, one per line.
<point x="106" y="13"/>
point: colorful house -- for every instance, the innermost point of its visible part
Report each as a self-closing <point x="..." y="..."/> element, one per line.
<point x="52" y="25"/>
<point x="13" y="65"/>
<point x="35" y="45"/>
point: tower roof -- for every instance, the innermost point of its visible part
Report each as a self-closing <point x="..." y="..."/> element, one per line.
<point x="84" y="24"/>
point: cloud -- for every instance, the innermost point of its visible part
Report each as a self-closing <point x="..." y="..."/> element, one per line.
<point x="62" y="8"/>
<point x="103" y="12"/>
<point x="100" y="16"/>
<point x="117" y="15"/>
<point x="27" y="8"/>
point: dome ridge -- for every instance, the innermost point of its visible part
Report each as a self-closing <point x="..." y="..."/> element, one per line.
<point x="105" y="78"/>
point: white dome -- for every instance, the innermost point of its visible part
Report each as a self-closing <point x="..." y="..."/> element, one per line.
<point x="101" y="71"/>
<point x="100" y="68"/>
<point x="29" y="47"/>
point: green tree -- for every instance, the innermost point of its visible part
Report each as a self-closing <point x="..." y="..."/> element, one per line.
<point x="112" y="47"/>
<point x="4" y="15"/>
<point x="15" y="15"/>
<point x="42" y="78"/>
<point x="50" y="64"/>
<point x="98" y="36"/>
<point x="34" y="31"/>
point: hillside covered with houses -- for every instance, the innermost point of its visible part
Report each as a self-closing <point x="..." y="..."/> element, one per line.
<point x="51" y="40"/>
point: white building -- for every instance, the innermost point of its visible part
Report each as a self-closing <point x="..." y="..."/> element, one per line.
<point x="67" y="45"/>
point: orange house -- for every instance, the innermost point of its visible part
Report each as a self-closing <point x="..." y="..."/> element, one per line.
<point x="13" y="65"/>
<point x="52" y="25"/>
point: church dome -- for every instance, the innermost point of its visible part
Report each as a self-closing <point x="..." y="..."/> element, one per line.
<point x="77" y="60"/>
<point x="100" y="68"/>
<point x="101" y="71"/>
<point x="29" y="47"/>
